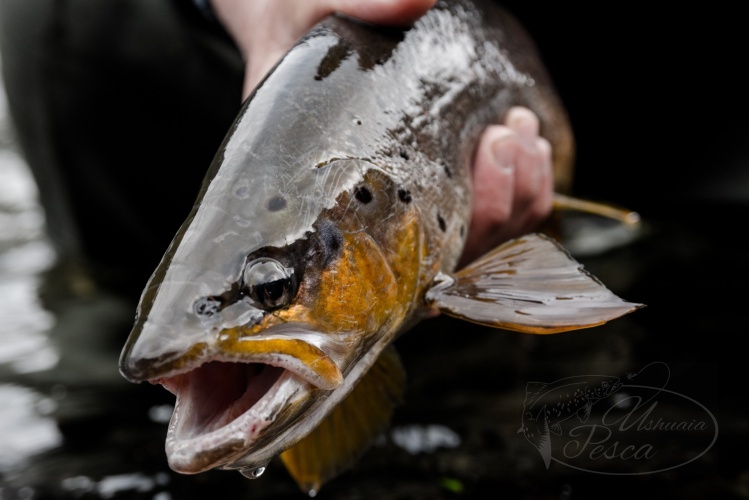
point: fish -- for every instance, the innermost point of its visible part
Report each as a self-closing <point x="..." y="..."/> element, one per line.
<point x="330" y="221"/>
<point x="546" y="406"/>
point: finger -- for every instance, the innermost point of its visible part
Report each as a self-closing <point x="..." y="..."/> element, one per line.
<point x="258" y="65"/>
<point x="524" y="122"/>
<point x="283" y="24"/>
<point x="266" y="43"/>
<point x="533" y="198"/>
<point x="529" y="166"/>
<point x="385" y="12"/>
<point x="494" y="175"/>
<point x="542" y="203"/>
<point x="493" y="184"/>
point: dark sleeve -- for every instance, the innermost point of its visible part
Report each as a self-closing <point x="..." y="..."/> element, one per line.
<point x="119" y="108"/>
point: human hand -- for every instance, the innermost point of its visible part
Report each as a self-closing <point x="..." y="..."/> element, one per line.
<point x="512" y="168"/>
<point x="264" y="30"/>
<point x="513" y="183"/>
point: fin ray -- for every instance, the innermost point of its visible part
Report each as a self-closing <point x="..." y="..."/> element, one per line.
<point x="350" y="427"/>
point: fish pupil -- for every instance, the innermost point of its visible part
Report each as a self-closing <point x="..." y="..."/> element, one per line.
<point x="363" y="194"/>
<point x="272" y="294"/>
<point x="269" y="283"/>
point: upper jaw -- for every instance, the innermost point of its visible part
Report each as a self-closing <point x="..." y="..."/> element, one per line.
<point x="314" y="356"/>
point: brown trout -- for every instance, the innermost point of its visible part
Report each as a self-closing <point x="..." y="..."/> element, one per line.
<point x="330" y="221"/>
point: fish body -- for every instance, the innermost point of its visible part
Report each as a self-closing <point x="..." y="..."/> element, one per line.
<point x="330" y="221"/>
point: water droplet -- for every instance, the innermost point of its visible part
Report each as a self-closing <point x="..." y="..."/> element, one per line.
<point x="252" y="472"/>
<point x="312" y="493"/>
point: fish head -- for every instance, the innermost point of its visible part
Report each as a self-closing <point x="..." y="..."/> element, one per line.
<point x="275" y="297"/>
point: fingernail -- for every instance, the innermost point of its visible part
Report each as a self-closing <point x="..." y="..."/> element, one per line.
<point x="524" y="122"/>
<point x="502" y="153"/>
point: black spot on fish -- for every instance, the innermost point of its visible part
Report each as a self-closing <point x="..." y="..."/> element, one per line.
<point x="363" y="194"/>
<point x="462" y="230"/>
<point x="357" y="121"/>
<point x="404" y="195"/>
<point x="333" y="59"/>
<point x="277" y="203"/>
<point x="441" y="222"/>
<point x="332" y="241"/>
<point x="448" y="172"/>
<point x="403" y="154"/>
<point x="242" y="192"/>
<point x="327" y="162"/>
<point x="377" y="46"/>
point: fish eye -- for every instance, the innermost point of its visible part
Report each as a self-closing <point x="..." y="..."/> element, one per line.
<point x="269" y="283"/>
<point x="363" y="194"/>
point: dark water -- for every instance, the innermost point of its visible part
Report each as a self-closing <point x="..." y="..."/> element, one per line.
<point x="71" y="427"/>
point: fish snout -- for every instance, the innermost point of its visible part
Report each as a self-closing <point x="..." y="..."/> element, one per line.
<point x="137" y="367"/>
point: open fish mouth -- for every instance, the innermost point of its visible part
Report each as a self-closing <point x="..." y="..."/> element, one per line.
<point x="221" y="410"/>
<point x="226" y="404"/>
<point x="219" y="392"/>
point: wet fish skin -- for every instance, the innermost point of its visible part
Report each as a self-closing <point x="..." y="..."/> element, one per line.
<point x="343" y="184"/>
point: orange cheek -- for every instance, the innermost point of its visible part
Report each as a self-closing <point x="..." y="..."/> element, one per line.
<point x="370" y="288"/>
<point x="357" y="292"/>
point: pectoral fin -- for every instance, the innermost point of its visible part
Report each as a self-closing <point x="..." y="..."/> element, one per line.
<point x="350" y="428"/>
<point x="531" y="285"/>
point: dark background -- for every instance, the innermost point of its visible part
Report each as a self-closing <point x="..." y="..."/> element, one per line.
<point x="656" y="96"/>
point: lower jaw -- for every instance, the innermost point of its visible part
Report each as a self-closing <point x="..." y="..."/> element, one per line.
<point x="191" y="452"/>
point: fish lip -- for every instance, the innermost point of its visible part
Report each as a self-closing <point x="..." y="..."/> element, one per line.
<point x="153" y="369"/>
<point x="312" y="355"/>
